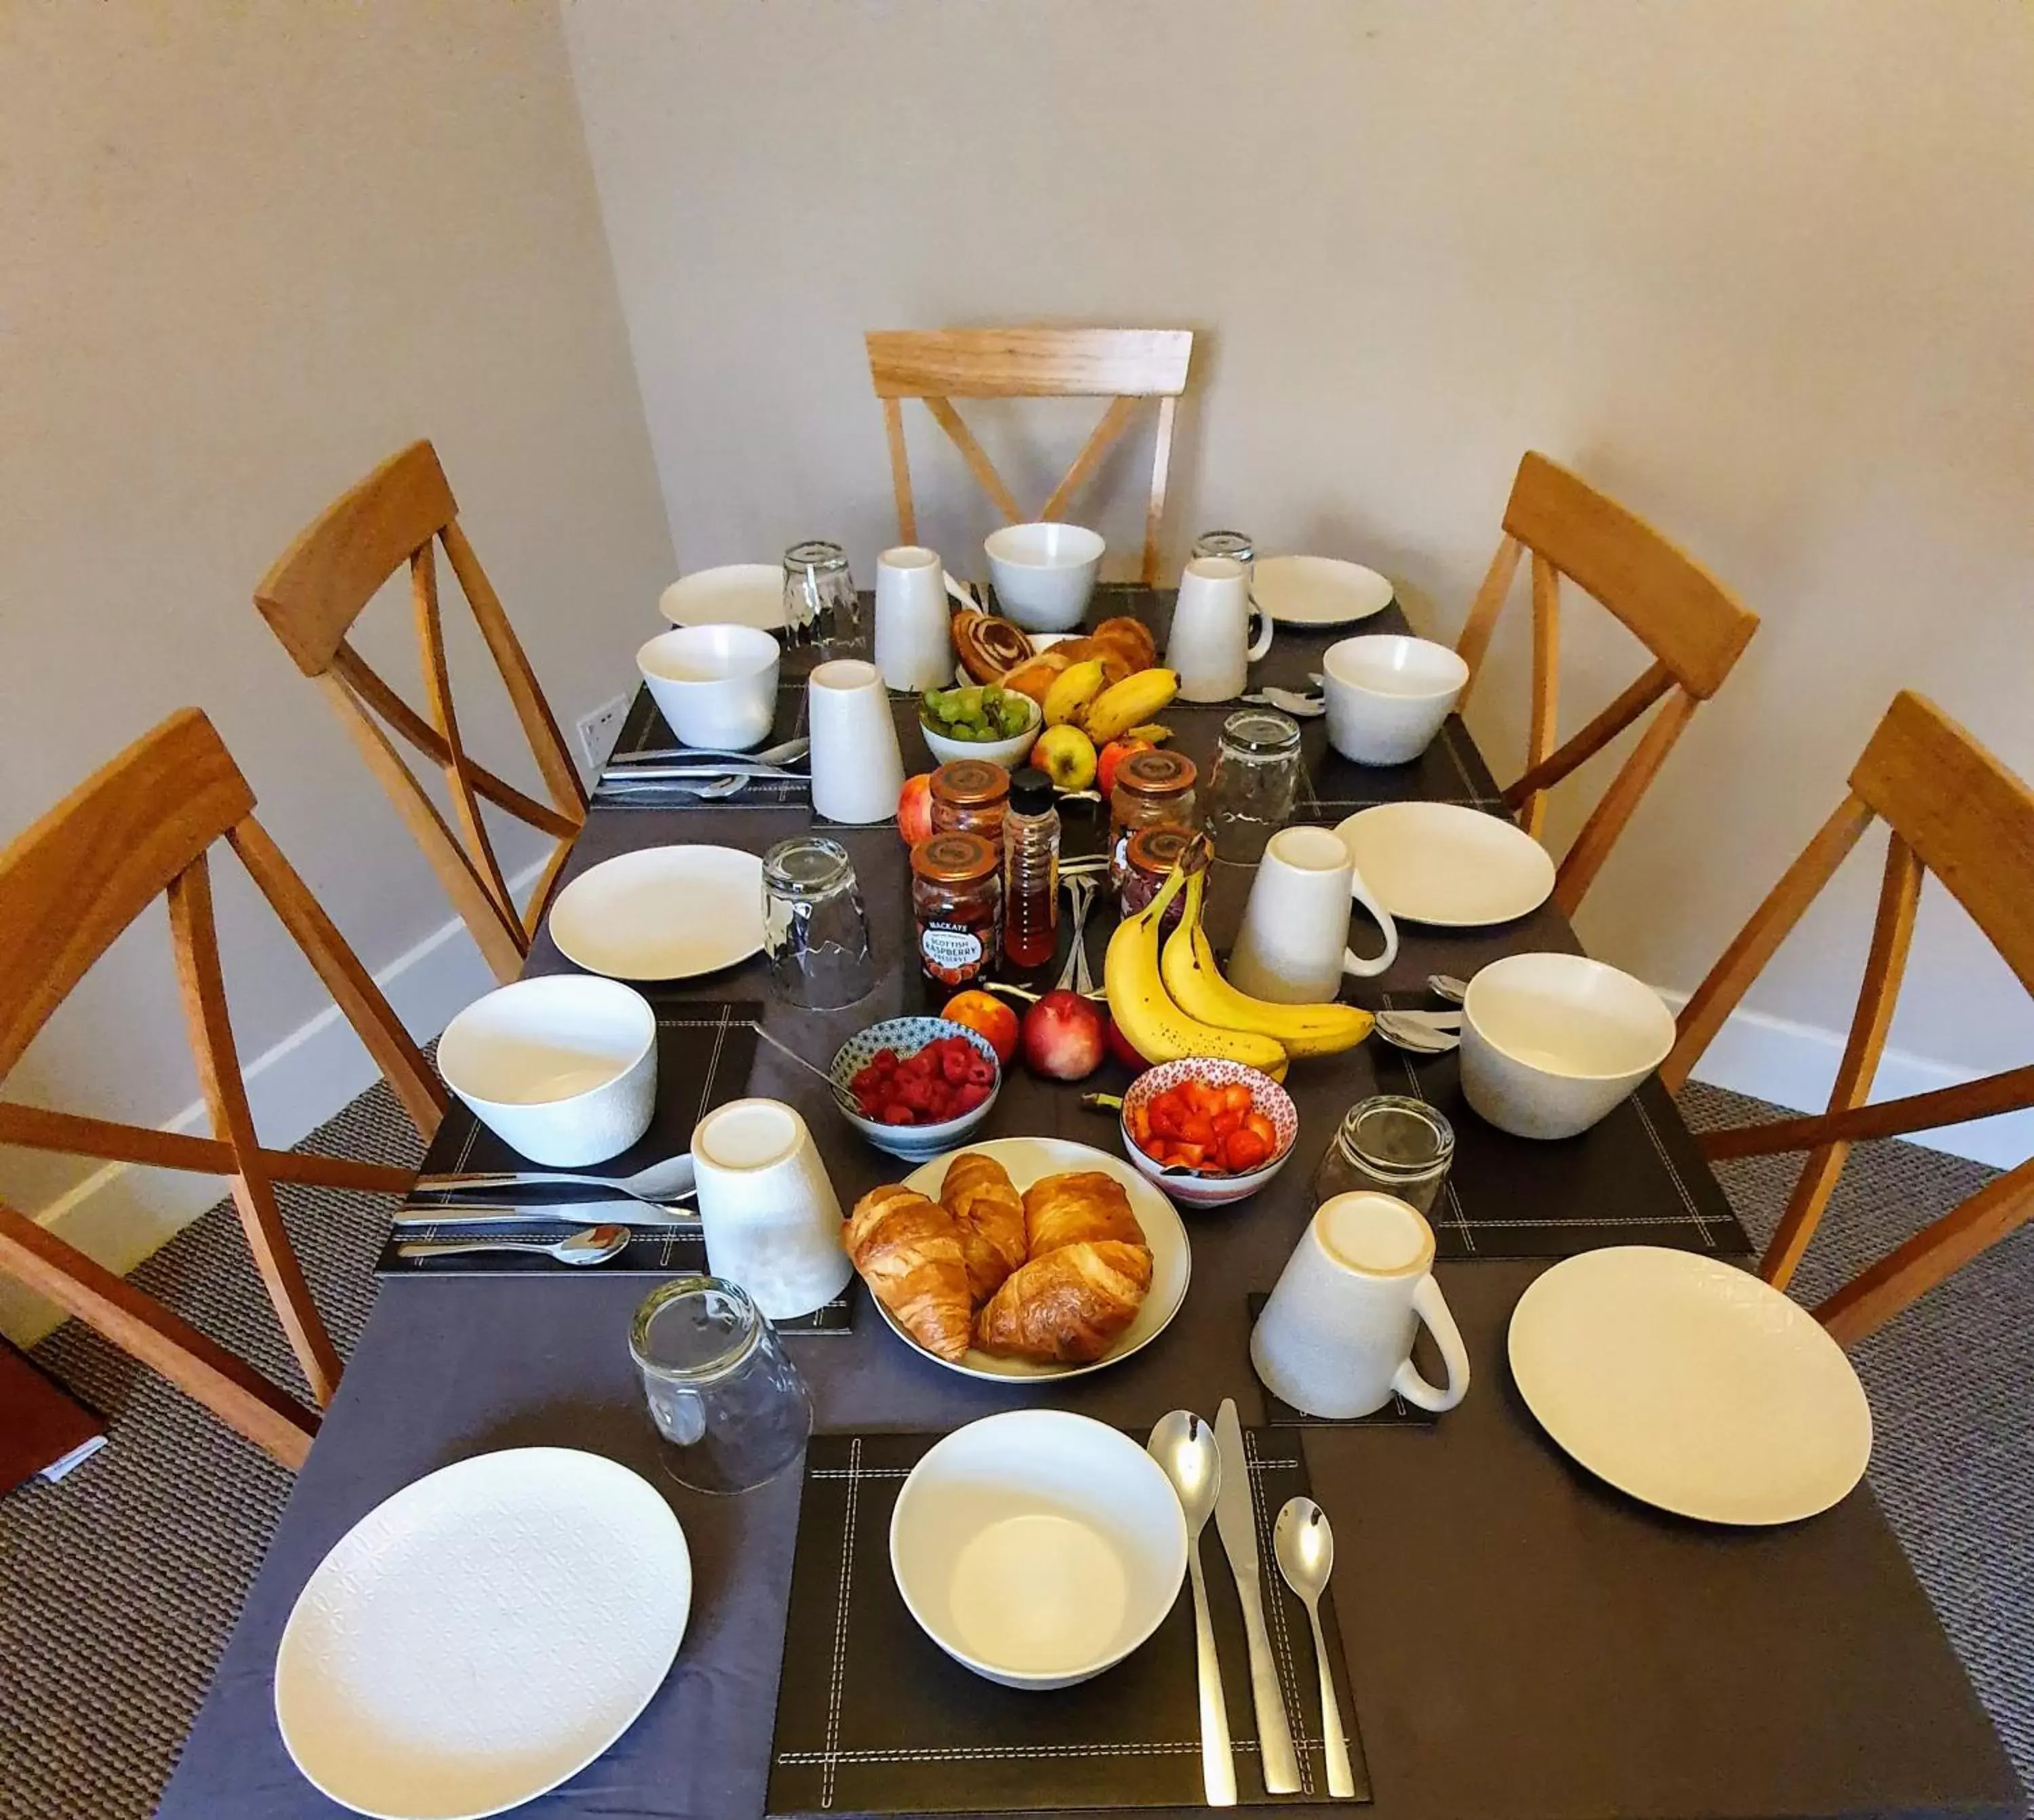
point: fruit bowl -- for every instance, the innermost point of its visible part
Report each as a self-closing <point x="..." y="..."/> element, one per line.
<point x="905" y="1036"/>
<point x="1010" y="753"/>
<point x="1208" y="1186"/>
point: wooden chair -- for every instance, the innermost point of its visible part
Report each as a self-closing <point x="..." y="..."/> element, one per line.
<point x="1954" y="810"/>
<point x="1122" y="365"/>
<point x="310" y="599"/>
<point x="1690" y="622"/>
<point x="69" y="886"/>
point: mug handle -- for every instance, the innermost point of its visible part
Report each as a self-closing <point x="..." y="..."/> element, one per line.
<point x="1259" y="645"/>
<point x="1429" y="1306"/>
<point x="1351" y="963"/>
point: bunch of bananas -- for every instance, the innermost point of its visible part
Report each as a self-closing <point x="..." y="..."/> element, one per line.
<point x="1081" y="695"/>
<point x="1172" y="1000"/>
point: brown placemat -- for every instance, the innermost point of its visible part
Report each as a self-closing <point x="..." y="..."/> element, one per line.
<point x="873" y="1718"/>
<point x="644" y="729"/>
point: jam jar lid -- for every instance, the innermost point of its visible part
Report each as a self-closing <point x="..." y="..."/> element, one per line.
<point x="971" y="782"/>
<point x="1156" y="773"/>
<point x="953" y="858"/>
<point x="1156" y="850"/>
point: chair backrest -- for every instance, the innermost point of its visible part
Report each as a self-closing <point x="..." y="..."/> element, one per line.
<point x="1122" y="365"/>
<point x="141" y="827"/>
<point x="311" y="597"/>
<point x="1954" y="809"/>
<point x="1693" y="625"/>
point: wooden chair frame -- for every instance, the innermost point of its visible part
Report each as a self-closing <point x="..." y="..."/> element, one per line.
<point x="1951" y="808"/>
<point x="141" y="828"/>
<point x="1695" y="629"/>
<point x="312" y="597"/>
<point x="1124" y="366"/>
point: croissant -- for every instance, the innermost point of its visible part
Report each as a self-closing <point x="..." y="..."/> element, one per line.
<point x="990" y="1217"/>
<point x="1034" y="676"/>
<point x="1132" y="637"/>
<point x="908" y="1251"/>
<point x="988" y="646"/>
<point x="1069" y="1306"/>
<point x="1064" y="1210"/>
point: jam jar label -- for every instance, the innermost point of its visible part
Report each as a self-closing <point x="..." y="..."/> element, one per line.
<point x="952" y="950"/>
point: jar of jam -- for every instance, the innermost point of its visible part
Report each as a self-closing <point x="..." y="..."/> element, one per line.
<point x="969" y="796"/>
<point x="957" y="898"/>
<point x="1153" y="853"/>
<point x="1153" y="789"/>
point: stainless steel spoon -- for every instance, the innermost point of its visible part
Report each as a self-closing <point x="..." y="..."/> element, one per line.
<point x="1184" y="1447"/>
<point x="1447" y="986"/>
<point x="791" y="750"/>
<point x="841" y="1098"/>
<point x="668" y="1180"/>
<point x="1405" y="1032"/>
<point x="589" y="1245"/>
<point x="1305" y="1545"/>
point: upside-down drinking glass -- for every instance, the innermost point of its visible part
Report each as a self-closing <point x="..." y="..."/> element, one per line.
<point x="821" y="604"/>
<point x="1255" y="783"/>
<point x="1397" y="1145"/>
<point x="814" y="928"/>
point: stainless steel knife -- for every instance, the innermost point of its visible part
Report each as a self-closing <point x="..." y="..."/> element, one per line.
<point x="617" y="1213"/>
<point x="1236" y="1518"/>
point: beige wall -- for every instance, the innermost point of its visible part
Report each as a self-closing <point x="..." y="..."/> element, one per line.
<point x="1759" y="267"/>
<point x="249" y="251"/>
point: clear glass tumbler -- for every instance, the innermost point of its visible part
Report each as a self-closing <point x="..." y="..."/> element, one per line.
<point x="821" y="606"/>
<point x="1394" y="1145"/>
<point x="718" y="1385"/>
<point x="815" y="929"/>
<point x="1231" y="543"/>
<point x="1255" y="783"/>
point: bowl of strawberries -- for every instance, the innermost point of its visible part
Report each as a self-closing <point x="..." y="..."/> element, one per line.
<point x="923" y="1084"/>
<point x="1208" y="1132"/>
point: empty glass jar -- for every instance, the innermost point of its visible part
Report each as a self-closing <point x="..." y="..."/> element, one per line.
<point x="1391" y="1144"/>
<point x="718" y="1385"/>
<point x="815" y="929"/>
<point x="1255" y="783"/>
<point x="821" y="606"/>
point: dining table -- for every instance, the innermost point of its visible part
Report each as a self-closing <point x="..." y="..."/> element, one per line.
<point x="1523" y="1641"/>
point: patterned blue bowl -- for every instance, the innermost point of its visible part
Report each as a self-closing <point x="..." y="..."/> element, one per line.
<point x="914" y="1143"/>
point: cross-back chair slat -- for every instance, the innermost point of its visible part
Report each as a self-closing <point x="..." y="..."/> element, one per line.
<point x="1695" y="629"/>
<point x="1125" y="365"/>
<point x="143" y="827"/>
<point x="311" y="598"/>
<point x="1954" y="809"/>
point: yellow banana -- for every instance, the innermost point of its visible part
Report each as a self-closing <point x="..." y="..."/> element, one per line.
<point x="1122" y="705"/>
<point x="1071" y="690"/>
<point x="1195" y="983"/>
<point x="1157" y="1028"/>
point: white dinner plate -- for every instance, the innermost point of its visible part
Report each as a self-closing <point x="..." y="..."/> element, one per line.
<point x="1317" y="590"/>
<point x="738" y="594"/>
<point x="1448" y="865"/>
<point x="486" y="1633"/>
<point x="1692" y="1385"/>
<point x="662" y="913"/>
<point x="1027" y="1159"/>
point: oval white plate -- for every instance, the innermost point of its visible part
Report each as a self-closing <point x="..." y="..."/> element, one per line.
<point x="737" y="594"/>
<point x="1443" y="864"/>
<point x="486" y="1633"/>
<point x="1027" y="1159"/>
<point x="662" y="913"/>
<point x="1692" y="1385"/>
<point x="1318" y="590"/>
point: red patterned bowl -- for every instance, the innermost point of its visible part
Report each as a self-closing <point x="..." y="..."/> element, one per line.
<point x="1206" y="1187"/>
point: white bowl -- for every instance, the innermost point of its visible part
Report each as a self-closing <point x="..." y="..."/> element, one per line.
<point x="1037" y="1547"/>
<point x="1550" y="1042"/>
<point x="736" y="594"/>
<point x="906" y="1036"/>
<point x="1388" y="694"/>
<point x="1044" y="573"/>
<point x="1010" y="753"/>
<point x="562" y="1069"/>
<point x="715" y="685"/>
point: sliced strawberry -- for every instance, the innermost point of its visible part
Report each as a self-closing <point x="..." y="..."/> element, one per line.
<point x="1245" y="1150"/>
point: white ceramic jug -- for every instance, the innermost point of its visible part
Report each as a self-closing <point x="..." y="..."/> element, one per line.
<point x="1209" y="644"/>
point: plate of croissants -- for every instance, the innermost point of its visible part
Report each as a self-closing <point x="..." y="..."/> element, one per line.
<point x="1022" y="1258"/>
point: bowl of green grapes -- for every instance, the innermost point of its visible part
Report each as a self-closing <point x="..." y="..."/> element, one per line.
<point x="979" y="721"/>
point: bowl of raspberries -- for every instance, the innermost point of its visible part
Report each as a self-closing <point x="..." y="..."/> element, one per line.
<point x="923" y="1084"/>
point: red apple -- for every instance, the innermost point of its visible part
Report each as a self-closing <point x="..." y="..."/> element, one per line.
<point x="1062" y="1037"/>
<point x="987" y="1015"/>
<point x="914" y="809"/>
<point x="1110" y="757"/>
<point x="1121" y="1050"/>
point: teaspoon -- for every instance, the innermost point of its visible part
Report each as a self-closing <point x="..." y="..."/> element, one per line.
<point x="1305" y="1545"/>
<point x="1447" y="986"/>
<point x="589" y="1245"/>
<point x="1184" y="1447"/>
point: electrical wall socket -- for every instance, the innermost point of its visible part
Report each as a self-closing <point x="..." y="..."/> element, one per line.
<point x="597" y="730"/>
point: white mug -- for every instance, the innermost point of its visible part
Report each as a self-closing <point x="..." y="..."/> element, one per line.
<point x="1387" y="695"/>
<point x="1293" y="948"/>
<point x="856" y="768"/>
<point x="914" y="645"/>
<point x="1336" y="1338"/>
<point x="767" y="1208"/>
<point x="1209" y="644"/>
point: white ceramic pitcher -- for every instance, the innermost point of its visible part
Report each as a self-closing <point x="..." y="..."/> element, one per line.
<point x="1293" y="948"/>
<point x="1209" y="644"/>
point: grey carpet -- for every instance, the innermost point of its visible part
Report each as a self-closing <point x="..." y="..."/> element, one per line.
<point x="118" y="1587"/>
